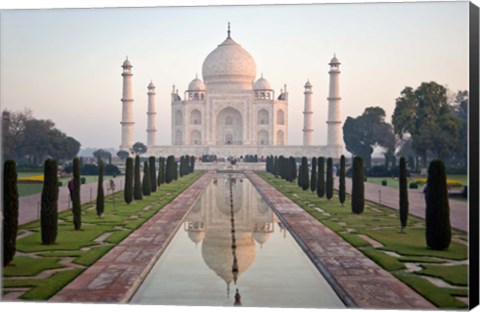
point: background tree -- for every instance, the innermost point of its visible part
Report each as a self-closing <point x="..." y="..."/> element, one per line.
<point x="321" y="177"/>
<point x="10" y="211"/>
<point x="123" y="155"/>
<point x="358" y="187"/>
<point x="49" y="203"/>
<point x="76" y="207"/>
<point x="313" y="177"/>
<point x="329" y="183"/>
<point x="367" y="131"/>
<point x="437" y="221"/>
<point x="146" y="187"/>
<point x="100" y="205"/>
<point x="153" y="173"/>
<point x="402" y="181"/>
<point x="137" y="183"/>
<point x="139" y="148"/>
<point x="425" y="116"/>
<point x="341" y="185"/>
<point x="129" y="177"/>
<point x="103" y="155"/>
<point x="31" y="141"/>
<point x="460" y="109"/>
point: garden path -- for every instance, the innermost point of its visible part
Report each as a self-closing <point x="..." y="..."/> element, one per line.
<point x="29" y="206"/>
<point x="389" y="196"/>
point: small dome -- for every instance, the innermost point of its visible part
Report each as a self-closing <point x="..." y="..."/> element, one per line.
<point x="196" y="85"/>
<point x="151" y="85"/>
<point x="334" y="60"/>
<point x="127" y="64"/>
<point x="262" y="84"/>
<point x="308" y="84"/>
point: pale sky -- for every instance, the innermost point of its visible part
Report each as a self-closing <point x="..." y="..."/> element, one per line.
<point x="65" y="64"/>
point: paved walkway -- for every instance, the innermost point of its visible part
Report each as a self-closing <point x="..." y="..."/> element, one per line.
<point x="29" y="206"/>
<point x="357" y="279"/>
<point x="118" y="274"/>
<point x="389" y="196"/>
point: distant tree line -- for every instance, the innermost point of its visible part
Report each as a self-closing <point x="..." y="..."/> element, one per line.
<point x="31" y="141"/>
<point x="428" y="122"/>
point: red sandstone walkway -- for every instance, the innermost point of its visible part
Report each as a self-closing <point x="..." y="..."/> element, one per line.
<point x="389" y="196"/>
<point x="29" y="206"/>
<point x="118" y="274"/>
<point x="361" y="281"/>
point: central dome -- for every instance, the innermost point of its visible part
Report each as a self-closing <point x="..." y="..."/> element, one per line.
<point x="229" y="65"/>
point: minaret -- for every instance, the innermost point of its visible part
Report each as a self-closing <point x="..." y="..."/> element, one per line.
<point x="151" y="117"/>
<point x="307" y="113"/>
<point x="334" y="123"/>
<point x="127" y="108"/>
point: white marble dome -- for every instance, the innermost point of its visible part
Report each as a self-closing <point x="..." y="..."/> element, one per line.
<point x="229" y="64"/>
<point x="196" y="85"/>
<point x="262" y="84"/>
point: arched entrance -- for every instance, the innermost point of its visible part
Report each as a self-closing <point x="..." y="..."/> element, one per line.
<point x="229" y="127"/>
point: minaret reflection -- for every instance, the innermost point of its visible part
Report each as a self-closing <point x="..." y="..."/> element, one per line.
<point x="229" y="218"/>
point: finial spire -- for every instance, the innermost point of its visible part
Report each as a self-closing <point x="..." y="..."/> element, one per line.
<point x="228" y="32"/>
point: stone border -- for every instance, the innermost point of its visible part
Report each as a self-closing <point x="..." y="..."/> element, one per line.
<point x="358" y="281"/>
<point x="118" y="274"/>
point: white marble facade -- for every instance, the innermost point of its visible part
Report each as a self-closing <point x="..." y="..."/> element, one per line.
<point x="233" y="113"/>
<point x="228" y="108"/>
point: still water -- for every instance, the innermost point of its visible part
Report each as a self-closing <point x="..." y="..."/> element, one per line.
<point x="233" y="250"/>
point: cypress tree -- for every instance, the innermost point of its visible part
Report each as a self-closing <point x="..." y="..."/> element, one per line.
<point x="341" y="185"/>
<point x="100" y="193"/>
<point x="275" y="166"/>
<point x="293" y="168"/>
<point x="305" y="178"/>
<point x="128" y="190"/>
<point x="437" y="221"/>
<point x="49" y="203"/>
<point x="182" y="162"/>
<point x="175" y="170"/>
<point x="160" y="171"/>
<point x="313" y="179"/>
<point x="358" y="187"/>
<point x="192" y="164"/>
<point x="321" y="177"/>
<point x="402" y="180"/>
<point x="76" y="207"/>
<point x="146" y="187"/>
<point x="329" y="184"/>
<point x="137" y="184"/>
<point x="170" y="170"/>
<point x="153" y="174"/>
<point x="164" y="170"/>
<point x="10" y="211"/>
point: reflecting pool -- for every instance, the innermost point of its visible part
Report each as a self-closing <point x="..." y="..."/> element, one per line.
<point x="233" y="250"/>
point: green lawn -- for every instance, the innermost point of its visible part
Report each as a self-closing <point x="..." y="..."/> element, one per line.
<point x="382" y="224"/>
<point x="81" y="245"/>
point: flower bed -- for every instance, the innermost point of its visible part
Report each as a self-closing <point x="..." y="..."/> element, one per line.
<point x="31" y="180"/>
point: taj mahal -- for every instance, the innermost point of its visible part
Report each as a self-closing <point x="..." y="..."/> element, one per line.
<point x="231" y="112"/>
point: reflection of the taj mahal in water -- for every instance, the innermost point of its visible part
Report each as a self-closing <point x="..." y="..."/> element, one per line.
<point x="228" y="240"/>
